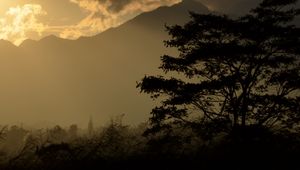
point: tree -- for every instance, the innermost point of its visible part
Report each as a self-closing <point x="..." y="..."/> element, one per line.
<point x="233" y="74"/>
<point x="57" y="134"/>
<point x="73" y="132"/>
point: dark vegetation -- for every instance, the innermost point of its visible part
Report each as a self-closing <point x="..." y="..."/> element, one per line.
<point x="117" y="146"/>
<point x="230" y="99"/>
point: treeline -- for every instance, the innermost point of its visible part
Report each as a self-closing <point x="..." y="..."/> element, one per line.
<point x="119" y="146"/>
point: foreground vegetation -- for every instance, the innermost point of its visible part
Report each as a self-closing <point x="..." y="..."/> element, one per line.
<point x="117" y="146"/>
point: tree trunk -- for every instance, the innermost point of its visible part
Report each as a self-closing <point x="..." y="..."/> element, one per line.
<point x="235" y="120"/>
<point x="243" y="119"/>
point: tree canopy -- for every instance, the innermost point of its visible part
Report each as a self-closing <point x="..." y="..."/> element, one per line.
<point x="232" y="73"/>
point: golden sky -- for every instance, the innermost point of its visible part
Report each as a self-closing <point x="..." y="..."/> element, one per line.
<point x="34" y="19"/>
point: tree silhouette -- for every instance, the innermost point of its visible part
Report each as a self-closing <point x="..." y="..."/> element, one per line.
<point x="233" y="74"/>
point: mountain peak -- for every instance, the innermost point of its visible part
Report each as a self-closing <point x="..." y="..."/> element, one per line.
<point x="50" y="37"/>
<point x="5" y="43"/>
<point x="27" y="42"/>
<point x="192" y="5"/>
<point x="2" y="41"/>
<point x="189" y="2"/>
<point x="176" y="14"/>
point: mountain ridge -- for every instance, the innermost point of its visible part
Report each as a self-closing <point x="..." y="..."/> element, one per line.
<point x="67" y="80"/>
<point x="192" y="5"/>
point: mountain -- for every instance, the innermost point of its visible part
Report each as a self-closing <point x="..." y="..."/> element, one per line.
<point x="66" y="81"/>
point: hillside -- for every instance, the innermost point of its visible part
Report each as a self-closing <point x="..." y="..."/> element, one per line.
<point x="65" y="81"/>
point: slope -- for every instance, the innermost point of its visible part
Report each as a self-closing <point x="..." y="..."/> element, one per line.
<point x="66" y="81"/>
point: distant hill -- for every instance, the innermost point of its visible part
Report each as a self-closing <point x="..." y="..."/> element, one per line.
<point x="67" y="80"/>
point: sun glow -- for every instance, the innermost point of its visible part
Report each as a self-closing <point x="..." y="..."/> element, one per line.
<point x="20" y="22"/>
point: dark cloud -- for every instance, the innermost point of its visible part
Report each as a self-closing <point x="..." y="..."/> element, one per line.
<point x="115" y="6"/>
<point x="119" y="5"/>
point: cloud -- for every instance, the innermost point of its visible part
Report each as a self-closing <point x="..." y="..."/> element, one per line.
<point x="21" y="23"/>
<point x="103" y="14"/>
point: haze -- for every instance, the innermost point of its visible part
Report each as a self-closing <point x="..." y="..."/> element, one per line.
<point x="90" y="67"/>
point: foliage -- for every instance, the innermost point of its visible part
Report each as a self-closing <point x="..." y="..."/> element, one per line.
<point x="118" y="146"/>
<point x="234" y="73"/>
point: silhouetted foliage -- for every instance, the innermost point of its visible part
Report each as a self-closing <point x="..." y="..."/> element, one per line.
<point x="73" y="132"/>
<point x="3" y="131"/>
<point x="57" y="134"/>
<point x="119" y="146"/>
<point x="236" y="76"/>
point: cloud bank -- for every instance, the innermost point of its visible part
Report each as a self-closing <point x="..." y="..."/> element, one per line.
<point x="21" y="22"/>
<point x="104" y="14"/>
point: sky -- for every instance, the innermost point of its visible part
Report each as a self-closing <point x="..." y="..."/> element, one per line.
<point x="71" y="19"/>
